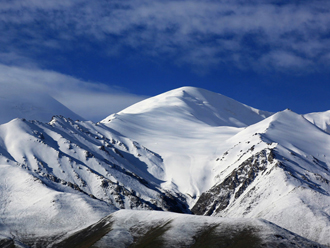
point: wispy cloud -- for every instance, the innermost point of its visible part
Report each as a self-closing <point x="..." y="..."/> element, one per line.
<point x="93" y="101"/>
<point x="245" y="34"/>
<point x="285" y="60"/>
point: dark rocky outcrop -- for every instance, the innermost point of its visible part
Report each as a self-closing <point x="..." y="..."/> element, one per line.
<point x="233" y="186"/>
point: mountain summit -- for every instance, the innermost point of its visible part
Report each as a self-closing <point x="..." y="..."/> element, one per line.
<point x="196" y="104"/>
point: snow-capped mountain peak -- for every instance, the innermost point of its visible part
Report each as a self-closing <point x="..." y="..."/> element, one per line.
<point x="184" y="125"/>
<point x="196" y="104"/>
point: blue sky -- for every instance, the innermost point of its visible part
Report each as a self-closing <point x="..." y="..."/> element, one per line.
<point x="98" y="57"/>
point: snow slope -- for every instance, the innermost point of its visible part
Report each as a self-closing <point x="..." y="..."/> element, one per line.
<point x="320" y="119"/>
<point x="24" y="103"/>
<point x="29" y="208"/>
<point x="187" y="127"/>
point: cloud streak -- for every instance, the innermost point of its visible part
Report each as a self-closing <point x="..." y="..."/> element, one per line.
<point x="244" y="34"/>
<point x="93" y="101"/>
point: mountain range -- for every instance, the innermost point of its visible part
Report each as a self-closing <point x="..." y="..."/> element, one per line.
<point x="255" y="176"/>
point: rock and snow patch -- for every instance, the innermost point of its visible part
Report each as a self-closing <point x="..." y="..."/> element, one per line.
<point x="127" y="228"/>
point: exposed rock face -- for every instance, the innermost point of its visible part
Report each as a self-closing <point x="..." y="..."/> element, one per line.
<point x="219" y="196"/>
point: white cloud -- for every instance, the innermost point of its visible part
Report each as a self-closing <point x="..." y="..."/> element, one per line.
<point x="93" y="101"/>
<point x="283" y="61"/>
<point x="178" y="29"/>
